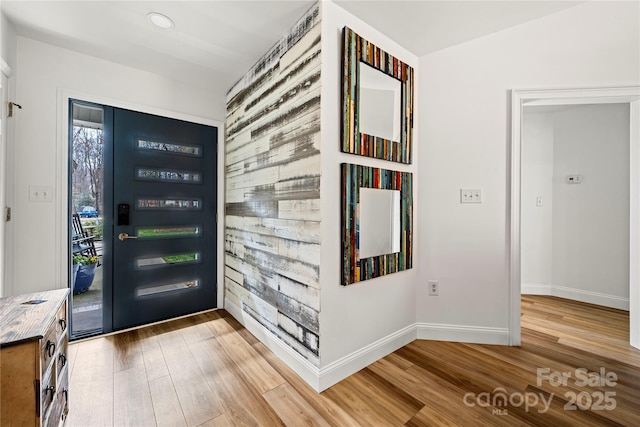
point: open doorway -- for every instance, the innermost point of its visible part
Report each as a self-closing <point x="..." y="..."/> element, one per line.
<point x="575" y="203"/>
<point x="522" y="99"/>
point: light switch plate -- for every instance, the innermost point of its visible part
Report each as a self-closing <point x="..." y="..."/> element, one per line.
<point x="40" y="193"/>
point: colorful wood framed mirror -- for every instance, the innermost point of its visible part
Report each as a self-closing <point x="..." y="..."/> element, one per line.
<point x="377" y="100"/>
<point x="377" y="219"/>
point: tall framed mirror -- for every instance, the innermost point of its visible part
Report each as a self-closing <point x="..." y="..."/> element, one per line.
<point x="377" y="222"/>
<point x="377" y="100"/>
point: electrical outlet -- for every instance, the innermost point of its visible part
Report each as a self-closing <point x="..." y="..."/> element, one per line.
<point x="574" y="179"/>
<point x="470" y="195"/>
<point x="433" y="288"/>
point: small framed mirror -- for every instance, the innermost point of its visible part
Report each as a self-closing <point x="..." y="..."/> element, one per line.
<point x="377" y="99"/>
<point x="377" y="218"/>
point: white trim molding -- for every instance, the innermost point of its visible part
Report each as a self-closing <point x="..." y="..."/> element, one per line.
<point x="5" y="68"/>
<point x="536" y="289"/>
<point x="322" y="378"/>
<point x="581" y="295"/>
<point x="558" y="96"/>
<point x="462" y="333"/>
<point x="359" y="359"/>
<point x="634" y="226"/>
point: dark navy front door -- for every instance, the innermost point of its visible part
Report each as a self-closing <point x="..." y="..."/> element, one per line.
<point x="164" y="218"/>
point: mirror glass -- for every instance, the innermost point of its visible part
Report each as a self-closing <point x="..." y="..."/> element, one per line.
<point x="379" y="222"/>
<point x="379" y="103"/>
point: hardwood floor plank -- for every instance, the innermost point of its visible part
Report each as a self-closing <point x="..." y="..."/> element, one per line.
<point x="198" y="401"/>
<point x="242" y="402"/>
<point x="197" y="329"/>
<point x="329" y="410"/>
<point x="222" y="420"/>
<point x="442" y="401"/>
<point x="428" y="417"/>
<point x="628" y="356"/>
<point x="132" y="398"/>
<point x="91" y="385"/>
<point x="208" y="370"/>
<point x="128" y="353"/>
<point x="166" y="405"/>
<point x="292" y="408"/>
<point x="72" y="352"/>
<point x="152" y="355"/>
<point x="258" y="371"/>
<point x="237" y="326"/>
<point x="369" y="398"/>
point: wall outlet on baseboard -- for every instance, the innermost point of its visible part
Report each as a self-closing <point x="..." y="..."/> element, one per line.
<point x="433" y="288"/>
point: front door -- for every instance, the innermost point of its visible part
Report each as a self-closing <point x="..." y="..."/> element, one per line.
<point x="164" y="218"/>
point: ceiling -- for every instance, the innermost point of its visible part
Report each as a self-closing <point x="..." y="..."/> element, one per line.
<point x="215" y="42"/>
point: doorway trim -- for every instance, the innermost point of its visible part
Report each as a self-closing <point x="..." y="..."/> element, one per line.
<point x="62" y="175"/>
<point x="574" y="96"/>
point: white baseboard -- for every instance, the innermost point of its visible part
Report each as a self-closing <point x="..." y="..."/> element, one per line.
<point x="581" y="295"/>
<point x="323" y="378"/>
<point x="462" y="333"/>
<point x="535" y="289"/>
<point x="336" y="371"/>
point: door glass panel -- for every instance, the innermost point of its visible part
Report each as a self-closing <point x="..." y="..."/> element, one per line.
<point x="182" y="204"/>
<point x="86" y="158"/>
<point x="168" y="260"/>
<point x="168" y="232"/>
<point x="187" y="177"/>
<point x="148" y="291"/>
<point x="190" y="150"/>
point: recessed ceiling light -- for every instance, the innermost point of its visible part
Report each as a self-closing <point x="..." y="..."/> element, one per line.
<point x="160" y="20"/>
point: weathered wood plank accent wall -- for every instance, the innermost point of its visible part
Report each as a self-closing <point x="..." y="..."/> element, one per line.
<point x="272" y="227"/>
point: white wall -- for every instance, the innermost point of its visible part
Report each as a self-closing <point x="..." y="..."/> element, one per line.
<point x="464" y="123"/>
<point x="591" y="219"/>
<point x="536" y="182"/>
<point x="7" y="41"/>
<point x="37" y="229"/>
<point x="361" y="322"/>
<point x="577" y="244"/>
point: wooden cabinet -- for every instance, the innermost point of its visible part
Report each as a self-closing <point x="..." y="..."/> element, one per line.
<point x="33" y="359"/>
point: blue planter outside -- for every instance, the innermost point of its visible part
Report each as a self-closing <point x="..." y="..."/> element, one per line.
<point x="84" y="278"/>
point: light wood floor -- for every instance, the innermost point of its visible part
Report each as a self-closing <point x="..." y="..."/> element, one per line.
<point x="209" y="371"/>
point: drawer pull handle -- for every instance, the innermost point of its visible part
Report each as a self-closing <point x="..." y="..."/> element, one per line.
<point x="63" y="323"/>
<point x="63" y="359"/>
<point x="51" y="389"/>
<point x="65" y="392"/>
<point x="50" y="348"/>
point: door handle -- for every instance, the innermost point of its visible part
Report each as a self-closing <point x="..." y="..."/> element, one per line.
<point x="124" y="236"/>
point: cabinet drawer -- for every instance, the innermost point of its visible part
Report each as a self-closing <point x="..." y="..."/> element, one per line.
<point x="61" y="358"/>
<point x="47" y="392"/>
<point x="61" y="320"/>
<point x="60" y="405"/>
<point x="48" y="346"/>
